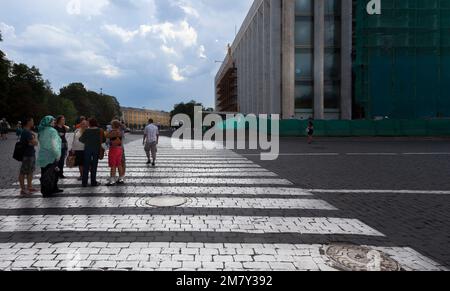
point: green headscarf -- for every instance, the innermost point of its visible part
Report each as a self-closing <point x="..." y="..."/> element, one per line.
<point x="50" y="143"/>
<point x="45" y="122"/>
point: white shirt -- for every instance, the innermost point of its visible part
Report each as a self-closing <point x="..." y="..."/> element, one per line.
<point x="152" y="132"/>
<point x="76" y="144"/>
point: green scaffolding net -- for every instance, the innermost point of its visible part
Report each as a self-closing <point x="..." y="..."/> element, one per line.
<point x="402" y="66"/>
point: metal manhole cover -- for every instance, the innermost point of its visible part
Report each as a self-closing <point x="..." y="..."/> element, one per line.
<point x="358" y="258"/>
<point x="162" y="201"/>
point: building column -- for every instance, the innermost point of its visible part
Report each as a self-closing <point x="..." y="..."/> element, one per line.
<point x="319" y="55"/>
<point x="261" y="59"/>
<point x="288" y="59"/>
<point x="266" y="53"/>
<point x="346" y="59"/>
<point x="275" y="56"/>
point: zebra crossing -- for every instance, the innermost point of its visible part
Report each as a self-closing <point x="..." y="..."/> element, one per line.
<point x="236" y="216"/>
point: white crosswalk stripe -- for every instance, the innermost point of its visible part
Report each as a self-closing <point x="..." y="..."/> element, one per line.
<point x="198" y="181"/>
<point x="230" y="200"/>
<point x="112" y="202"/>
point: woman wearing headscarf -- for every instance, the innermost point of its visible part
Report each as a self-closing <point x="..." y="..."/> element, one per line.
<point x="50" y="149"/>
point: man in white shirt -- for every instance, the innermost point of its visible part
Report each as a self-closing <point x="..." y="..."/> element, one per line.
<point x="151" y="140"/>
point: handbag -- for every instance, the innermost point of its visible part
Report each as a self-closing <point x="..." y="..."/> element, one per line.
<point x="101" y="153"/>
<point x="19" y="151"/>
<point x="71" y="160"/>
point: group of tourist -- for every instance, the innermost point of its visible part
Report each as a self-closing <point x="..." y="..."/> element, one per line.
<point x="87" y="148"/>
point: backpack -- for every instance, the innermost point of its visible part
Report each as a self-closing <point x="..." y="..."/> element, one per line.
<point x="48" y="181"/>
<point x="19" y="151"/>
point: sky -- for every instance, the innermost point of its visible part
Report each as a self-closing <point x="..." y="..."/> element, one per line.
<point x="147" y="53"/>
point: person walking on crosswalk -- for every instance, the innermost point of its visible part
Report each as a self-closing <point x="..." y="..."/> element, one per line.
<point x="151" y="140"/>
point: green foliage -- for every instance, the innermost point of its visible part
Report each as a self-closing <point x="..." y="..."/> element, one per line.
<point x="24" y="92"/>
<point x="186" y="108"/>
<point x="91" y="104"/>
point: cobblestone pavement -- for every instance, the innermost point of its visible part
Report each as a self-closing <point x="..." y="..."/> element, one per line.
<point x="237" y="215"/>
<point x="399" y="186"/>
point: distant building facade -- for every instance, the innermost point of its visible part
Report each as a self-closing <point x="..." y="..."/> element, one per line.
<point x="290" y="57"/>
<point x="339" y="59"/>
<point x="137" y="118"/>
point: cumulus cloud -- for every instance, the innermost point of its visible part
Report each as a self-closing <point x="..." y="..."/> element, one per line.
<point x="202" y="52"/>
<point x="146" y="52"/>
<point x="8" y="31"/>
<point x="181" y="32"/>
<point x="120" y="32"/>
<point x="52" y="44"/>
<point x="87" y="8"/>
<point x="175" y="73"/>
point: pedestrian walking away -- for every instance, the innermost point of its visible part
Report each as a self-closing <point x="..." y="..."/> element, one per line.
<point x="49" y="156"/>
<point x="92" y="138"/>
<point x="151" y="140"/>
<point x="29" y="141"/>
<point x="115" y="153"/>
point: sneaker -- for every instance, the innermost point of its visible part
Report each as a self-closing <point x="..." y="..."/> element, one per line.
<point x="149" y="162"/>
<point x="32" y="190"/>
<point x="79" y="178"/>
<point x="96" y="184"/>
<point x="58" y="191"/>
<point x="120" y="181"/>
<point x="153" y="164"/>
<point x="111" y="182"/>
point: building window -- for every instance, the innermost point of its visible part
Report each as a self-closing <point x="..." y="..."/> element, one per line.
<point x="332" y="61"/>
<point x="304" y="95"/>
<point x="304" y="7"/>
<point x="332" y="95"/>
<point x="303" y="64"/>
<point x="304" y="31"/>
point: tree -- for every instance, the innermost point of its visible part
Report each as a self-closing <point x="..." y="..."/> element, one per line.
<point x="27" y="93"/>
<point x="186" y="108"/>
<point x="91" y="104"/>
<point x="5" y="67"/>
<point x="77" y="93"/>
<point x="24" y="92"/>
<point x="62" y="106"/>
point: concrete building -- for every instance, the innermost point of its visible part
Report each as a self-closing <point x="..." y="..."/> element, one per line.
<point x="290" y="57"/>
<point x="137" y="118"/>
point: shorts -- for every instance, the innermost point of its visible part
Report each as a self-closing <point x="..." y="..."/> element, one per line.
<point x="115" y="157"/>
<point x="28" y="166"/>
<point x="79" y="158"/>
